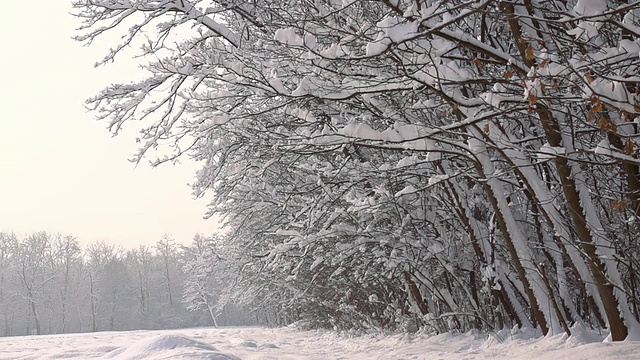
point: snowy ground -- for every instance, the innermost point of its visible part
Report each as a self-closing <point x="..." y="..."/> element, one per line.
<point x="261" y="343"/>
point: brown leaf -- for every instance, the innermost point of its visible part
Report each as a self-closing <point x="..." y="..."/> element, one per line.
<point x="532" y="99"/>
<point x="477" y="62"/>
<point x="629" y="146"/>
<point x="528" y="54"/>
<point x="508" y="75"/>
<point x="544" y="63"/>
<point x="606" y="124"/>
<point x="618" y="205"/>
<point x="623" y="115"/>
<point x="589" y="77"/>
<point x="486" y="128"/>
<point x="603" y="123"/>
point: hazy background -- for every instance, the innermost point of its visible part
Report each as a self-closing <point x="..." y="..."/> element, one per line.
<point x="60" y="170"/>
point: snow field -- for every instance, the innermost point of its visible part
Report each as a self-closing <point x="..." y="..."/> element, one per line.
<point x="286" y="343"/>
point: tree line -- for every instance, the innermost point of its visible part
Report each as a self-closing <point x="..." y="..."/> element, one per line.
<point x="49" y="284"/>
<point x="451" y="164"/>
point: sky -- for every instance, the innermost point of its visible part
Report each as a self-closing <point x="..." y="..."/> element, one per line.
<point x="61" y="171"/>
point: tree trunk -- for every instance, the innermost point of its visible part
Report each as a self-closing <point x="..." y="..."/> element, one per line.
<point x="553" y="136"/>
<point x="511" y="233"/>
<point x="93" y="303"/>
<point x="415" y="293"/>
<point x="212" y="314"/>
<point x="36" y="318"/>
<point x="619" y="330"/>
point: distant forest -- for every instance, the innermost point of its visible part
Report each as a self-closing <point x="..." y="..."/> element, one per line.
<point x="49" y="284"/>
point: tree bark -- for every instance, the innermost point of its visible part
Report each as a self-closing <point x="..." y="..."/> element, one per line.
<point x="415" y="292"/>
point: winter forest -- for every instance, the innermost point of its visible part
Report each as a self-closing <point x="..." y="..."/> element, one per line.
<point x="50" y="285"/>
<point x="443" y="165"/>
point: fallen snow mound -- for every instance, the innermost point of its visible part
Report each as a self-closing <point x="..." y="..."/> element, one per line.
<point x="168" y="346"/>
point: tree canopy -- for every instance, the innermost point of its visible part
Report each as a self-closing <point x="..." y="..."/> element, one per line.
<point x="465" y="164"/>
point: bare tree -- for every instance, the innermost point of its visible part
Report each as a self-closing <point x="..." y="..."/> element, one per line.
<point x="66" y="260"/>
<point x="34" y="273"/>
<point x="166" y="251"/>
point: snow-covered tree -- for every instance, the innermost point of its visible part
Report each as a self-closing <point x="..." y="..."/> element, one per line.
<point x="67" y="263"/>
<point x="140" y="262"/>
<point x="8" y="284"/>
<point x="166" y="252"/>
<point x="202" y="286"/>
<point x="111" y="288"/>
<point x="480" y="156"/>
<point x="34" y="273"/>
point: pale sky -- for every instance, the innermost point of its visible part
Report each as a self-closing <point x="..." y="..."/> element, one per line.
<point x="60" y="169"/>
